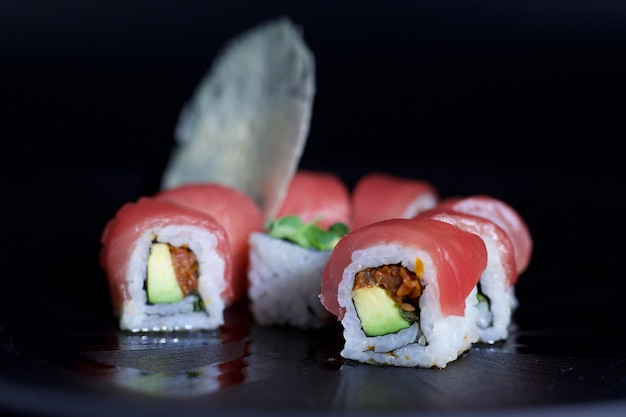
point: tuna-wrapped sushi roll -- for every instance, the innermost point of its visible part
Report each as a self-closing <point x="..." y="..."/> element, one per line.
<point x="169" y="267"/>
<point x="504" y="216"/>
<point x="288" y="257"/>
<point x="403" y="198"/>
<point x="405" y="291"/>
<point x="316" y="196"/>
<point x="234" y="210"/>
<point x="496" y="288"/>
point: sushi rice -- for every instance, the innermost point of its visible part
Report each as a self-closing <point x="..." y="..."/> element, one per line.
<point x="285" y="282"/>
<point x="419" y="204"/>
<point x="494" y="316"/>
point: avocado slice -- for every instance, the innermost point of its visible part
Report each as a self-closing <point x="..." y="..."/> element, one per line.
<point x="161" y="283"/>
<point x="378" y="313"/>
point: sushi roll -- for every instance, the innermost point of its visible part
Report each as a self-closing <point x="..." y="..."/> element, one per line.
<point x="504" y="216"/>
<point x="235" y="211"/>
<point x="404" y="291"/>
<point x="317" y="196"/>
<point x="496" y="288"/>
<point x="169" y="267"/>
<point x="288" y="257"/>
<point x="403" y="198"/>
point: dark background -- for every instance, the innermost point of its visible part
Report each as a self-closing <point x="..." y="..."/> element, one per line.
<point x="519" y="84"/>
<point x="522" y="100"/>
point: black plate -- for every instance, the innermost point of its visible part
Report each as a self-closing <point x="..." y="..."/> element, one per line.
<point x="520" y="101"/>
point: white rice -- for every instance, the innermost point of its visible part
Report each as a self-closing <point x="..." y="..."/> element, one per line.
<point x="433" y="342"/>
<point x="494" y="318"/>
<point x="421" y="203"/>
<point x="285" y="283"/>
<point x="138" y="316"/>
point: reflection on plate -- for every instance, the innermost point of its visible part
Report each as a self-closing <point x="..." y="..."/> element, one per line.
<point x="279" y="368"/>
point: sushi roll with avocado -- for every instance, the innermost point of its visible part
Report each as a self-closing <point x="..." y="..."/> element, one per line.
<point x="168" y="267"/>
<point x="404" y="291"/>
<point x="236" y="212"/>
<point x="496" y="288"/>
<point x="502" y="214"/>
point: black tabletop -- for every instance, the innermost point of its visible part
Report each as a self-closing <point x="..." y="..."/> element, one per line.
<point x="519" y="100"/>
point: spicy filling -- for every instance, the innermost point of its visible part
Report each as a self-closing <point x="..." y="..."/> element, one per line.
<point x="386" y="298"/>
<point x="172" y="274"/>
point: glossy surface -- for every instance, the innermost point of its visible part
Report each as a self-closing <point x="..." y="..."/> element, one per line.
<point x="276" y="370"/>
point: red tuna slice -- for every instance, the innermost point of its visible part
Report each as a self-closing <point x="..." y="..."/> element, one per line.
<point x="459" y="258"/>
<point x="122" y="232"/>
<point x="504" y="216"/>
<point x="380" y="196"/>
<point x="233" y="209"/>
<point x="484" y="228"/>
<point x="317" y="195"/>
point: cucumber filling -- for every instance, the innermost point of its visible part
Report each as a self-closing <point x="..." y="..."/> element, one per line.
<point x="485" y="316"/>
<point x="307" y="235"/>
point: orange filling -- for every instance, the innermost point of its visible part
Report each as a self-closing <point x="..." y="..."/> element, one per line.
<point x="186" y="268"/>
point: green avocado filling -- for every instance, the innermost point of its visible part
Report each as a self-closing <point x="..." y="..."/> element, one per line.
<point x="172" y="275"/>
<point x="482" y="298"/>
<point x="161" y="283"/>
<point x="308" y="235"/>
<point x="378" y="313"/>
<point x="386" y="298"/>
